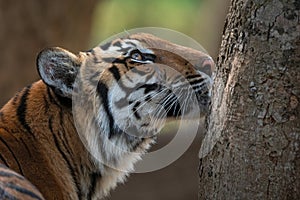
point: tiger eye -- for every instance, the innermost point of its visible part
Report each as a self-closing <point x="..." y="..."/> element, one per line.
<point x="136" y="56"/>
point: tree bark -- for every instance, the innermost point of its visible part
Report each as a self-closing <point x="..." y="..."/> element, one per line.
<point x="252" y="147"/>
<point x="26" y="27"/>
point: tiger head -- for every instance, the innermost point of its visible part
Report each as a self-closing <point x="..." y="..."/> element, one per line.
<point x="124" y="90"/>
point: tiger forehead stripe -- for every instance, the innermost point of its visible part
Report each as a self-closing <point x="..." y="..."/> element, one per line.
<point x="132" y="42"/>
<point x="128" y="44"/>
<point x="138" y="45"/>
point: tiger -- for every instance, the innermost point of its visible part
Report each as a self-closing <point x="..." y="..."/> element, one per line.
<point x="77" y="132"/>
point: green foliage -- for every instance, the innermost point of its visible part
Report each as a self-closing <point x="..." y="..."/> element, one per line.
<point x="114" y="16"/>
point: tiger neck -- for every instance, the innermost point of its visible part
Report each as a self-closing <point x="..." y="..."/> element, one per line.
<point x="94" y="177"/>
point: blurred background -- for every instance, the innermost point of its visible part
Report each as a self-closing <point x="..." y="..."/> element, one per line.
<point x="26" y="27"/>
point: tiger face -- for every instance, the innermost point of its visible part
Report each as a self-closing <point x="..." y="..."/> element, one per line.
<point x="125" y="90"/>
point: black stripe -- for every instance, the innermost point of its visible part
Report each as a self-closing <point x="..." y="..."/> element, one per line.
<point x="51" y="98"/>
<point x="115" y="71"/>
<point x="193" y="76"/>
<point x="22" y="109"/>
<point x="134" y="110"/>
<point x="23" y="191"/>
<point x="148" y="98"/>
<point x="94" y="179"/>
<point x="118" y="60"/>
<point x="117" y="44"/>
<point x="150" y="87"/>
<point x="21" y="139"/>
<point x="131" y="43"/>
<point x="172" y="106"/>
<point x="5" y="195"/>
<point x="14" y="101"/>
<point x="3" y="160"/>
<point x="124" y="101"/>
<point x="46" y="103"/>
<point x="70" y="168"/>
<point x="105" y="46"/>
<point x="103" y="92"/>
<point x="61" y="118"/>
<point x="5" y="129"/>
<point x="63" y="101"/>
<point x="57" y="99"/>
<point x="137" y="144"/>
<point x="64" y="141"/>
<point x="26" y="146"/>
<point x="196" y="81"/>
<point x="147" y="56"/>
<point x="50" y="124"/>
<point x="67" y="162"/>
<point x="10" y="175"/>
<point x="10" y="150"/>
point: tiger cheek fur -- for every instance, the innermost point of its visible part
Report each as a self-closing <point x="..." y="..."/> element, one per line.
<point x="79" y="131"/>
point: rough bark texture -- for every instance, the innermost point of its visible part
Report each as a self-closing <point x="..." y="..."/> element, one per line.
<point x="26" y="27"/>
<point x="252" y="148"/>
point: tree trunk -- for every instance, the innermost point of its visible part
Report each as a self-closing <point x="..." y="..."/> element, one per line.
<point x="26" y="27"/>
<point x="252" y="147"/>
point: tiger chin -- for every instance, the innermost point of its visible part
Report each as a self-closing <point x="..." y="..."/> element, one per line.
<point x="77" y="132"/>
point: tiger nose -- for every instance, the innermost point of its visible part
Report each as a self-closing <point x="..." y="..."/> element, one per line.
<point x="207" y="66"/>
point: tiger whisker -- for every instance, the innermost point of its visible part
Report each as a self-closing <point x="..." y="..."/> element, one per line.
<point x="144" y="103"/>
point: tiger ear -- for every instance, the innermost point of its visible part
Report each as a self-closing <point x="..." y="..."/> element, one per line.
<point x="58" y="68"/>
